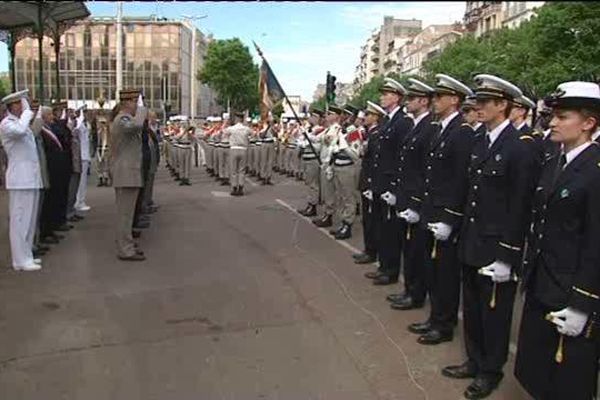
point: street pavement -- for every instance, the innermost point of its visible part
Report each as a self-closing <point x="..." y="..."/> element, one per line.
<point x="240" y="298"/>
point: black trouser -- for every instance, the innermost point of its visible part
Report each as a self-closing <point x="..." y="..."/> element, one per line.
<point x="139" y="203"/>
<point x="442" y="277"/>
<point x="413" y="264"/>
<point x="391" y="230"/>
<point x="487" y="325"/>
<point x="369" y="224"/>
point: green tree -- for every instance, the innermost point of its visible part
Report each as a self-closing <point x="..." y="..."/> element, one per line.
<point x="4" y="86"/>
<point x="319" y="103"/>
<point x="277" y="110"/>
<point x="368" y="92"/>
<point x="558" y="45"/>
<point x="230" y="71"/>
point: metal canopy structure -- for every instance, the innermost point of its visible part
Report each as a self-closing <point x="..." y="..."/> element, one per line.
<point x="19" y="19"/>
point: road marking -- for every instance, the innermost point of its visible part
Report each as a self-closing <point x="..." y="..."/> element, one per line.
<point x="252" y="182"/>
<point x="512" y="347"/>
<point x="220" y="194"/>
<point x="324" y="231"/>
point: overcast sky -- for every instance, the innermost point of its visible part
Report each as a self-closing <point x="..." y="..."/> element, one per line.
<point x="301" y="40"/>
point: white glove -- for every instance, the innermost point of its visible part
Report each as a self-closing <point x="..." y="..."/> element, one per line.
<point x="335" y="148"/>
<point x="63" y="115"/>
<point x="389" y="198"/>
<point x="140" y="101"/>
<point x="441" y="231"/>
<point x="329" y="173"/>
<point x="569" y="321"/>
<point x="410" y="216"/>
<point x="368" y="194"/>
<point x="25" y="104"/>
<point x="499" y="271"/>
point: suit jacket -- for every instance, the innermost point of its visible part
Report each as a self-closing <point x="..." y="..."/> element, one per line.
<point x="497" y="210"/>
<point x="23" y="170"/>
<point x="126" y="149"/>
<point x="444" y="189"/>
<point x="563" y="256"/>
<point x="411" y="167"/>
<point x="385" y="163"/>
<point x="366" y="168"/>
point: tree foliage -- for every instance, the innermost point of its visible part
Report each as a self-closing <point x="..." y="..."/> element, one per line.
<point x="278" y="110"/>
<point x="558" y="45"/>
<point x="230" y="71"/>
<point x="319" y="103"/>
<point x="4" y="86"/>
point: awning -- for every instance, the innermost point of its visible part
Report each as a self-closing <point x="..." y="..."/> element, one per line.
<point x="23" y="14"/>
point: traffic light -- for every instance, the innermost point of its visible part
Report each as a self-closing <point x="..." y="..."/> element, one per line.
<point x="330" y="88"/>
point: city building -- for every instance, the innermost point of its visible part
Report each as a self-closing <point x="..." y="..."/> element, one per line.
<point x="517" y="12"/>
<point x="427" y="44"/>
<point x="485" y="16"/>
<point x="378" y="55"/>
<point x="157" y="57"/>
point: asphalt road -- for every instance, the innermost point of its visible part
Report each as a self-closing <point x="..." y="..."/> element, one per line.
<point x="240" y="298"/>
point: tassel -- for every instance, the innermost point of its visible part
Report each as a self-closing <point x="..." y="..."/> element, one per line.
<point x="493" y="299"/>
<point x="389" y="212"/>
<point x="408" y="233"/>
<point x="434" y="250"/>
<point x="370" y="210"/>
<point x="558" y="357"/>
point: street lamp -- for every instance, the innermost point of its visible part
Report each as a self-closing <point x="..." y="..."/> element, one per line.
<point x="189" y="19"/>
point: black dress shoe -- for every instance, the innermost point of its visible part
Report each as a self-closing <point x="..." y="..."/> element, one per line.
<point x="373" y="274"/>
<point x="434" y="337"/>
<point x="420" y="328"/>
<point x="63" y="228"/>
<point x="407" y="304"/>
<point x="240" y="190"/>
<point x="324" y="222"/>
<point x="464" y="371"/>
<point x="49" y="240"/>
<point x="142" y="225"/>
<point x="395" y="298"/>
<point x="344" y="233"/>
<point x="481" y="388"/>
<point x="136" y="234"/>
<point x="135" y="257"/>
<point x="139" y="252"/>
<point x="384" y="280"/>
<point x="234" y="191"/>
<point x="364" y="259"/>
<point x="309" y="211"/>
<point x="333" y="231"/>
<point x="38" y="253"/>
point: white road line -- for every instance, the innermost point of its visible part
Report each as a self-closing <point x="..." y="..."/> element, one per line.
<point x="250" y="181"/>
<point x="322" y="230"/>
<point x="512" y="346"/>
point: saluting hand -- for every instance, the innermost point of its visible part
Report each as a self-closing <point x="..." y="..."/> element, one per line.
<point x="368" y="195"/>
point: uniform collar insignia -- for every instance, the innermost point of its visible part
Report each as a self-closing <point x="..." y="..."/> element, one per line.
<point x="564" y="193"/>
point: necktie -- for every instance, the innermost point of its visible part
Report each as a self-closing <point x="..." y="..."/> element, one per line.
<point x="488" y="141"/>
<point x="559" y="168"/>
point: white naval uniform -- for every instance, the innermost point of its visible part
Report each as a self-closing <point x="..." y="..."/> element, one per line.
<point x="23" y="182"/>
<point x="84" y="143"/>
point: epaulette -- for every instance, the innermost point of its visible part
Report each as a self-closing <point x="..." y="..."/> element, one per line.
<point x="537" y="133"/>
<point x="526" y="137"/>
<point x="125" y="118"/>
<point x="466" y="124"/>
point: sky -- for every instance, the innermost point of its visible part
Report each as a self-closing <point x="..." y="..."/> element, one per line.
<point x="301" y="40"/>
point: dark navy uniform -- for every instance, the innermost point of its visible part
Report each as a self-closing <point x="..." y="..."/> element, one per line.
<point x="409" y="187"/>
<point x="501" y="180"/>
<point x="563" y="270"/>
<point x="442" y="200"/>
<point x="385" y="166"/>
<point x="369" y="219"/>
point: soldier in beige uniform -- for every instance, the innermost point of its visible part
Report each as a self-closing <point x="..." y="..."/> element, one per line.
<point x="267" y="152"/>
<point x="126" y="168"/>
<point x="102" y="153"/>
<point x="311" y="163"/>
<point x="328" y="138"/>
<point x="186" y="145"/>
<point x="224" y="173"/>
<point x="239" y="135"/>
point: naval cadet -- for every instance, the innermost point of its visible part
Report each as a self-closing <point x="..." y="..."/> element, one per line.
<point x="471" y="115"/>
<point x="438" y="208"/>
<point x="410" y="180"/>
<point x="501" y="180"/>
<point x="518" y="115"/>
<point x="557" y="357"/>
<point x="374" y="115"/>
<point x="385" y="166"/>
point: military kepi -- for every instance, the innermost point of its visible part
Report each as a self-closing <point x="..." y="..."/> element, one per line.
<point x="493" y="87"/>
<point x="391" y="85"/>
<point x="416" y="88"/>
<point x="14" y="97"/>
<point x="575" y="94"/>
<point x="373" y="108"/>
<point x="129" y="94"/>
<point x="450" y="86"/>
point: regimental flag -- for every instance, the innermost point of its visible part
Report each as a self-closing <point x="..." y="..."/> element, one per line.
<point x="270" y="90"/>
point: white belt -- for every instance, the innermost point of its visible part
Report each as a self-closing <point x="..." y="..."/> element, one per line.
<point x="238" y="148"/>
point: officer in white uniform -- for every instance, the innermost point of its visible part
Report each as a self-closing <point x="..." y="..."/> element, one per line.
<point x="23" y="179"/>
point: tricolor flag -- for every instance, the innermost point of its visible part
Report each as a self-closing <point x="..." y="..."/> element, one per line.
<point x="269" y="88"/>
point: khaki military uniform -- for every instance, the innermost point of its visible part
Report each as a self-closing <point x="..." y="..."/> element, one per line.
<point x="126" y="173"/>
<point x="267" y="153"/>
<point x="239" y="136"/>
<point x="328" y="138"/>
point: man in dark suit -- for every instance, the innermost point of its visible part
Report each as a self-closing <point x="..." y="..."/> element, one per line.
<point x="374" y="116"/>
<point x="440" y="205"/>
<point x="471" y="115"/>
<point x="385" y="166"/>
<point x="496" y="217"/>
<point x="558" y="356"/>
<point x="409" y="182"/>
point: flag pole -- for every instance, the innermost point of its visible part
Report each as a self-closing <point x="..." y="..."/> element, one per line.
<point x="260" y="53"/>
